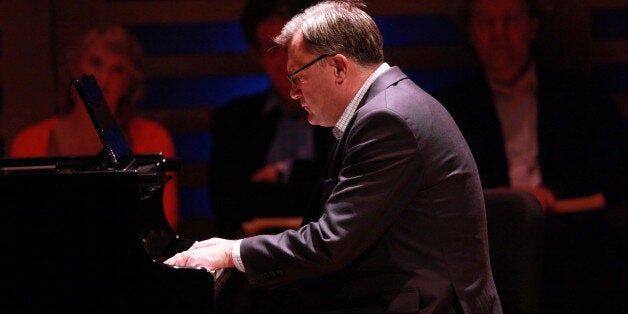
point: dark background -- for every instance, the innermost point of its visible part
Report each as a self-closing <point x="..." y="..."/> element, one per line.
<point x="197" y="60"/>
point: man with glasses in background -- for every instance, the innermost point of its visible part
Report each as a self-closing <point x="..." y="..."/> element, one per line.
<point x="266" y="156"/>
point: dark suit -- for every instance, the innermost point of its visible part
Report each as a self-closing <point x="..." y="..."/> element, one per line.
<point x="579" y="134"/>
<point x="403" y="227"/>
<point x="581" y="152"/>
<point x="242" y="135"/>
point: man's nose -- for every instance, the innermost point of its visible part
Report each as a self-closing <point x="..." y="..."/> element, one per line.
<point x="295" y="92"/>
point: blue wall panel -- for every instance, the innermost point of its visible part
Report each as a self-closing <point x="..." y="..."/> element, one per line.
<point x="431" y="81"/>
<point x="189" y="38"/>
<point x="194" y="203"/>
<point x="417" y="30"/>
<point x="613" y="76"/>
<point x="196" y="38"/>
<point x="609" y="23"/>
<point x="201" y="92"/>
<point x="193" y="147"/>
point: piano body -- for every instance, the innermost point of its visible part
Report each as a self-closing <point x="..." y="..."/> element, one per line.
<point x="77" y="237"/>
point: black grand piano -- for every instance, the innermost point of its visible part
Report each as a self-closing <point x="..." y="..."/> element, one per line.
<point x="88" y="234"/>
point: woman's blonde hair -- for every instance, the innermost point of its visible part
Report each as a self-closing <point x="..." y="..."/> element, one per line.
<point x="119" y="41"/>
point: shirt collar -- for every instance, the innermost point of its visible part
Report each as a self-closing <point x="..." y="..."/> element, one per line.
<point x="349" y="111"/>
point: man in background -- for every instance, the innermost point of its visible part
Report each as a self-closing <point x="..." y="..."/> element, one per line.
<point x="266" y="156"/>
<point x="554" y="134"/>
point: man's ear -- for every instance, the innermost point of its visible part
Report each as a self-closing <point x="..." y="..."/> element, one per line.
<point x="340" y="64"/>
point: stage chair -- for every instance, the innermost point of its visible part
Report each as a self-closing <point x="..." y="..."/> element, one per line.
<point x="515" y="222"/>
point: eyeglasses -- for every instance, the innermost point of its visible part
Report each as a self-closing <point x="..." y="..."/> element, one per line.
<point x="293" y="81"/>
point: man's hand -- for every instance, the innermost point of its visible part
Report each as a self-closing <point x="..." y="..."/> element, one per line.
<point x="270" y="173"/>
<point x="542" y="194"/>
<point x="212" y="254"/>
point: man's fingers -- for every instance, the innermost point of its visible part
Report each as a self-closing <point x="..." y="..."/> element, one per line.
<point x="205" y="243"/>
<point x="176" y="260"/>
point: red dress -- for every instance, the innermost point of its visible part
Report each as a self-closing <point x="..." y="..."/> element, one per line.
<point x="145" y="136"/>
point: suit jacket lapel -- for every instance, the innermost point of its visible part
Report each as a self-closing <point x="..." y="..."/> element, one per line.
<point x="315" y="205"/>
<point x="332" y="169"/>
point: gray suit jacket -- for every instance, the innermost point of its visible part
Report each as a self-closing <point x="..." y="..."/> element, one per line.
<point x="403" y="226"/>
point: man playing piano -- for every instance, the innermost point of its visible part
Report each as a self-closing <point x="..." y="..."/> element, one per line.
<point x="401" y="226"/>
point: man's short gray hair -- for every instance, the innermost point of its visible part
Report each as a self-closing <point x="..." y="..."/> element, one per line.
<point x="337" y="26"/>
